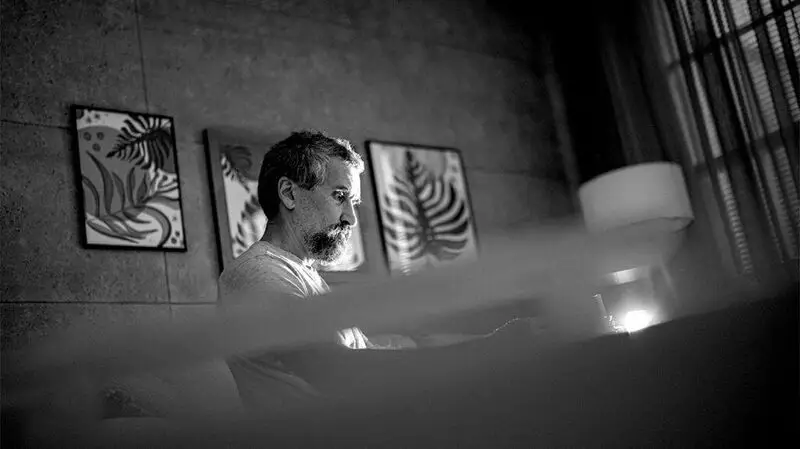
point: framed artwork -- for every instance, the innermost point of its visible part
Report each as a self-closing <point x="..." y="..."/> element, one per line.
<point x="128" y="172"/>
<point x="234" y="161"/>
<point x="424" y="206"/>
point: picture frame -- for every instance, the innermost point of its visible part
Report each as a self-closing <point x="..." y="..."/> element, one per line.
<point x="234" y="162"/>
<point x="128" y="178"/>
<point x="424" y="206"/>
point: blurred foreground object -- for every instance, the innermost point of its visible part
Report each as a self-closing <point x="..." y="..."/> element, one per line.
<point x="49" y="387"/>
<point x="724" y="379"/>
<point x="653" y="198"/>
<point x="556" y="265"/>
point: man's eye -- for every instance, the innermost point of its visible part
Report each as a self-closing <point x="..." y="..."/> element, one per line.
<point x="340" y="197"/>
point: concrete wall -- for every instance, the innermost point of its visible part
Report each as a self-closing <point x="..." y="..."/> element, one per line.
<point x="444" y="72"/>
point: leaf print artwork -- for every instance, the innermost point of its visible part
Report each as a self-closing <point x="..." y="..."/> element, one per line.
<point x="426" y="218"/>
<point x="237" y="163"/>
<point x="145" y="141"/>
<point x="129" y="180"/>
<point x="427" y="213"/>
<point x="249" y="227"/>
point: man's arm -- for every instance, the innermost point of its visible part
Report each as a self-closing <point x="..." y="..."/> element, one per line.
<point x="397" y="341"/>
<point x="464" y="327"/>
<point x="337" y="371"/>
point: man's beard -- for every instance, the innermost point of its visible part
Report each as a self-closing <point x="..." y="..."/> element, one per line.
<point x="328" y="245"/>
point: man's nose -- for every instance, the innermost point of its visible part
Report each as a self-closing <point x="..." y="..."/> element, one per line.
<point x="349" y="215"/>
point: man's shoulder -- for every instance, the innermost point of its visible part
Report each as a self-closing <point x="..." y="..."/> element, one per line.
<point x="265" y="263"/>
<point x="258" y="259"/>
<point x="257" y="267"/>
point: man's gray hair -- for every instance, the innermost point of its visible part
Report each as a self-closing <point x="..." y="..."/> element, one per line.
<point x="302" y="157"/>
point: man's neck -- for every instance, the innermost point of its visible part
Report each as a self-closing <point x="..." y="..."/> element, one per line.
<point x="284" y="237"/>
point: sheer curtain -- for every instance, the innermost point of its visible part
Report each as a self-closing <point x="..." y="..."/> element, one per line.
<point x="732" y="69"/>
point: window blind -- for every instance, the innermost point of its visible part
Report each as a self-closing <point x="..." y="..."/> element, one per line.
<point x="735" y="63"/>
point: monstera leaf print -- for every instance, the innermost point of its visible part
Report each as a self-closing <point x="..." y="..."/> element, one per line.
<point x="236" y="162"/>
<point x="425" y="215"/>
<point x="145" y="141"/>
<point x="250" y="226"/>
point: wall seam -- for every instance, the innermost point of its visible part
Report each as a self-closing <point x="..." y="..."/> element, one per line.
<point x="87" y="303"/>
<point x="40" y="125"/>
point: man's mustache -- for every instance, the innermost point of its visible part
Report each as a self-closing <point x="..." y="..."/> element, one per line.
<point x="342" y="229"/>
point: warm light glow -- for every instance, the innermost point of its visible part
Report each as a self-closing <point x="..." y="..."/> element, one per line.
<point x="637" y="320"/>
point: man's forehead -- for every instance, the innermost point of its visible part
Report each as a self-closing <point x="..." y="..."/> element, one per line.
<point x="342" y="175"/>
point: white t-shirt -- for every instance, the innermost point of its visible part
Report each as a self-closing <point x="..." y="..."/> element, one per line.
<point x="266" y="269"/>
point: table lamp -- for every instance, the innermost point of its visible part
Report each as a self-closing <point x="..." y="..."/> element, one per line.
<point x="652" y="197"/>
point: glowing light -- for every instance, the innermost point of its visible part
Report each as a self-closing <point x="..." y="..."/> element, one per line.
<point x="637" y="320"/>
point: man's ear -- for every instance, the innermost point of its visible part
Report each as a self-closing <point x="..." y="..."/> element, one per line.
<point x="286" y="192"/>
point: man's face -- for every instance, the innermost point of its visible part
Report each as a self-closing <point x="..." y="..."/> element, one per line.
<point x="326" y="214"/>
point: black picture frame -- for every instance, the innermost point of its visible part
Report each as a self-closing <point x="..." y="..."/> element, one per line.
<point x="130" y="199"/>
<point x="389" y="219"/>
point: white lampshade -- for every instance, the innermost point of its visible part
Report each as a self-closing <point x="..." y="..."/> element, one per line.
<point x="652" y="195"/>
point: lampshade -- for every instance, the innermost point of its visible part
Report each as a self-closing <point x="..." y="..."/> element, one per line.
<point x="652" y="195"/>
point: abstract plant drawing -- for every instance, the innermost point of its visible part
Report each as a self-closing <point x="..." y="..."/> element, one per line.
<point x="246" y="220"/>
<point x="425" y="212"/>
<point x="129" y="179"/>
<point x="235" y="162"/>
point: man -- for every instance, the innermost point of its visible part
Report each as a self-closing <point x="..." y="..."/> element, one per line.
<point x="309" y="189"/>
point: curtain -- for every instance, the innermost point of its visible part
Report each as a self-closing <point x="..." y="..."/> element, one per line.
<point x="732" y="71"/>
